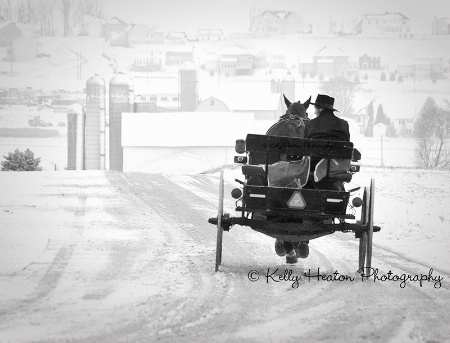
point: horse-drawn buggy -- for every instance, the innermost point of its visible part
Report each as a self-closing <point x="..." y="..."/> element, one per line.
<point x="298" y="211"/>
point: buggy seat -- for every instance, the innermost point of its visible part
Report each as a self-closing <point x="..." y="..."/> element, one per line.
<point x="334" y="165"/>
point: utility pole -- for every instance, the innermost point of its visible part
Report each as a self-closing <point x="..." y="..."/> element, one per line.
<point x="382" y="164"/>
<point x="81" y="62"/>
<point x="303" y="75"/>
<point x="11" y="57"/>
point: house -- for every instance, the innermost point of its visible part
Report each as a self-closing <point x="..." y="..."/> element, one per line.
<point x="92" y="26"/>
<point x="274" y="23"/>
<point x="141" y="34"/>
<point x="404" y="126"/>
<point x="261" y="58"/>
<point x="177" y="54"/>
<point x="235" y="61"/>
<point x="367" y="62"/>
<point x="424" y="68"/>
<point x="148" y="57"/>
<point x="8" y="32"/>
<point x="393" y="25"/>
<point x="175" y="37"/>
<point x="210" y="35"/>
<point x="437" y="66"/>
<point x="155" y="57"/>
<point x="277" y="61"/>
<point x="440" y="26"/>
<point x="330" y="62"/>
<point x="361" y="120"/>
<point x="114" y="27"/>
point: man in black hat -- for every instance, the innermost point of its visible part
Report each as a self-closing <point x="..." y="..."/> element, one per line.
<point x="326" y="125"/>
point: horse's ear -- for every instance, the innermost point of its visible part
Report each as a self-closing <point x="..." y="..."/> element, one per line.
<point x="286" y="101"/>
<point x="306" y="103"/>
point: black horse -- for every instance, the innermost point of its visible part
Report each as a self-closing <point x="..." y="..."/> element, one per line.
<point x="292" y="123"/>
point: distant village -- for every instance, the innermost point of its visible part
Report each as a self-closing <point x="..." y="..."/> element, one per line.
<point x="140" y="48"/>
<point x="153" y="50"/>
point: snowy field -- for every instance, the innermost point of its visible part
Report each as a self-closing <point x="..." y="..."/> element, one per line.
<point x="97" y="256"/>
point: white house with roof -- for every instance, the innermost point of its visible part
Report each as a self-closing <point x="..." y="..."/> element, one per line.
<point x="177" y="54"/>
<point x="182" y="142"/>
<point x="235" y="60"/>
<point x="424" y="67"/>
<point x="210" y="35"/>
<point x="330" y="62"/>
<point x="141" y="34"/>
<point x="176" y="37"/>
<point x="440" y="26"/>
<point x="273" y="23"/>
<point x="260" y="58"/>
<point x="147" y="57"/>
<point x="393" y="25"/>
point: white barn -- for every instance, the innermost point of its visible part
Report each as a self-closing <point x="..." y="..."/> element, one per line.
<point x="182" y="142"/>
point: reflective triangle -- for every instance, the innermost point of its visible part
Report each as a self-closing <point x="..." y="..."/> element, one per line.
<point x="296" y="201"/>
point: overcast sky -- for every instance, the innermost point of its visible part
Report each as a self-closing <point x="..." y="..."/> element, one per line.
<point x="233" y="15"/>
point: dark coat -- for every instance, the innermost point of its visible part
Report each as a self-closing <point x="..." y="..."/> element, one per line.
<point x="327" y="126"/>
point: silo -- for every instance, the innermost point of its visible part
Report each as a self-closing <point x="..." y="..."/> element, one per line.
<point x="288" y="87"/>
<point x="188" y="87"/>
<point x="95" y="123"/>
<point x="274" y="86"/>
<point x="121" y="99"/>
<point x="75" y="137"/>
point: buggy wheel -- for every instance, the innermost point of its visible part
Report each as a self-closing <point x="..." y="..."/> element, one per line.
<point x="219" y="224"/>
<point x="363" y="238"/>
<point x="370" y="223"/>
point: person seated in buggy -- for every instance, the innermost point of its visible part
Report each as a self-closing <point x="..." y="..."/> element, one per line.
<point x="326" y="126"/>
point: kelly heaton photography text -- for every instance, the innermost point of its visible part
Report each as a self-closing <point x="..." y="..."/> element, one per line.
<point x="365" y="274"/>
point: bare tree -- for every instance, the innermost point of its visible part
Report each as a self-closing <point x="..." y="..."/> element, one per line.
<point x="31" y="11"/>
<point x="343" y="91"/>
<point x="51" y="12"/>
<point x="431" y="131"/>
<point x="44" y="16"/>
<point x="66" y="10"/>
<point x="21" y="12"/>
<point x="93" y="8"/>
<point x="8" y="10"/>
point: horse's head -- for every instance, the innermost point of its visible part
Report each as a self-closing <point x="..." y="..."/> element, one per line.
<point x="297" y="108"/>
<point x="291" y="124"/>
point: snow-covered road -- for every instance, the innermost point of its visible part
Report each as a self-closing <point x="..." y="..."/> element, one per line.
<point x="105" y="256"/>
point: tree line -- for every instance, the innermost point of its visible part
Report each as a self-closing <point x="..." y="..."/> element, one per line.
<point x="41" y="13"/>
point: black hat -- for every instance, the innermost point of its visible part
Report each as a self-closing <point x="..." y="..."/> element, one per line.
<point x="324" y="101"/>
